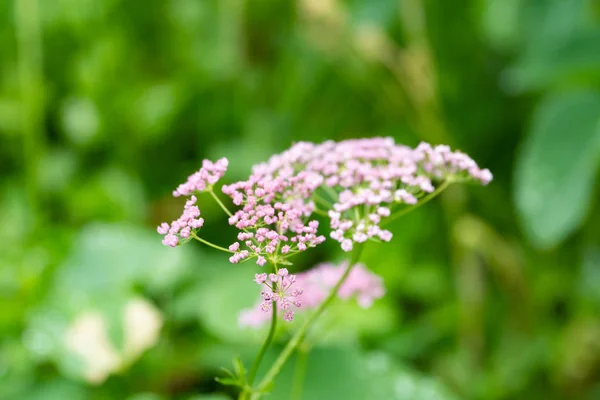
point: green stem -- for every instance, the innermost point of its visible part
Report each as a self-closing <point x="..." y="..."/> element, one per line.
<point x="299" y="335"/>
<point x="322" y="201"/>
<point x="31" y="88"/>
<point x="320" y="212"/>
<point x="214" y="246"/>
<point x="264" y="347"/>
<point x="331" y="192"/>
<point x="244" y="395"/>
<point x="443" y="186"/>
<point x="299" y="373"/>
<point x="220" y="203"/>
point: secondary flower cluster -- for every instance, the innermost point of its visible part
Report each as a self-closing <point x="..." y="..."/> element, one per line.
<point x="272" y="222"/>
<point x="278" y="290"/>
<point x="202" y="180"/>
<point x="310" y="289"/>
<point x="182" y="227"/>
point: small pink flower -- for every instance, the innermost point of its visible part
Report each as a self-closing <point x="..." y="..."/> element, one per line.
<point x="170" y="240"/>
<point x="203" y="179"/>
<point x="163" y="228"/>
<point x="288" y="315"/>
<point x="260" y="278"/>
<point x="383" y="211"/>
<point x="316" y="283"/>
<point x="385" y="235"/>
<point x="347" y="245"/>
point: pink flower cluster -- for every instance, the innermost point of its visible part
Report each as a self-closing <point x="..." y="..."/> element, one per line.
<point x="184" y="226"/>
<point x="204" y="179"/>
<point x="278" y="290"/>
<point x="357" y="183"/>
<point x="358" y="180"/>
<point x="272" y="220"/>
<point x="316" y="285"/>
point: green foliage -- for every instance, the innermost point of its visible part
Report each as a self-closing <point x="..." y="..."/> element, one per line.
<point x="105" y="106"/>
<point x="556" y="172"/>
<point x="360" y="376"/>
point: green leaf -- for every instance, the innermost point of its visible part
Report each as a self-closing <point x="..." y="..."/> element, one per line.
<point x="373" y="376"/>
<point x="240" y="371"/>
<point x="106" y="265"/>
<point x="228" y="381"/>
<point x="221" y="317"/>
<point x="568" y="60"/>
<point x="555" y="170"/>
<point x="57" y="389"/>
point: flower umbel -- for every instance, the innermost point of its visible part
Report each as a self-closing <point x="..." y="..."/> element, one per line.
<point x="203" y="179"/>
<point x="358" y="185"/>
<point x="190" y="221"/>
<point x="278" y="290"/>
<point x="356" y="182"/>
<point x="182" y="227"/>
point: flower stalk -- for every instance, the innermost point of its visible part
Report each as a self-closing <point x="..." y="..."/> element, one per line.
<point x="300" y="334"/>
<point x="299" y="372"/>
<point x="265" y="345"/>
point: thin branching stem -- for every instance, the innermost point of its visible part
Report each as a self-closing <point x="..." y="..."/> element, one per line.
<point x="266" y="343"/>
<point x="299" y="372"/>
<point x="443" y="186"/>
<point x="220" y="203"/>
<point x="214" y="246"/>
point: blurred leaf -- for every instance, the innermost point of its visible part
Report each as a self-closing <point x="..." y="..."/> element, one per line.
<point x="515" y="361"/>
<point x="374" y="376"/>
<point x="9" y="116"/>
<point x="589" y="281"/>
<point x="154" y="107"/>
<point x="81" y="121"/>
<point x="571" y="59"/>
<point x="57" y="390"/>
<point x="115" y="257"/>
<point x="220" y="299"/>
<point x="56" y="170"/>
<point x="145" y="396"/>
<point x="101" y="274"/>
<point x="345" y="321"/>
<point x="556" y="167"/>
<point x="501" y="22"/>
<point x="110" y="194"/>
<point x="17" y="371"/>
<point x="209" y="397"/>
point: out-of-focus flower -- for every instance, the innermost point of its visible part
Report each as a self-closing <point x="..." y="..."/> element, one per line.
<point x="142" y="323"/>
<point x="88" y="338"/>
<point x="312" y="287"/>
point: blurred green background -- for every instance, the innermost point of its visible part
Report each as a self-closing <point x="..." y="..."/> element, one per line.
<point x="107" y="105"/>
